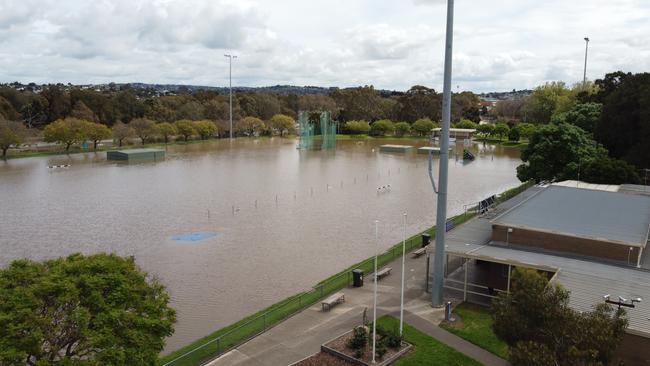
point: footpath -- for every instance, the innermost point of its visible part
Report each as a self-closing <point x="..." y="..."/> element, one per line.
<point x="301" y="335"/>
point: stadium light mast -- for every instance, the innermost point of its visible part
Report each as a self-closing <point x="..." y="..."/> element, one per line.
<point x="441" y="215"/>
<point x="584" y="75"/>
<point x="230" y="57"/>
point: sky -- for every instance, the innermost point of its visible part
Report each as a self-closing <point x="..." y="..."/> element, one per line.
<point x="392" y="44"/>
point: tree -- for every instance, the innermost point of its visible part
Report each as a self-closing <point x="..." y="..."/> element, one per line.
<point x="185" y="128"/>
<point x="205" y="128"/>
<point x="81" y="111"/>
<point x="526" y="130"/>
<point x="318" y="102"/>
<point x="485" y="129"/>
<point x="250" y="126"/>
<point x="122" y="131"/>
<point x="547" y="100"/>
<point x="381" y="127"/>
<point x="357" y="127"/>
<point x="402" y="128"/>
<point x="584" y="115"/>
<point x="501" y="130"/>
<point x="166" y="130"/>
<point x="65" y="131"/>
<point x="283" y="123"/>
<point x="555" y="153"/>
<point x="609" y="171"/>
<point x="465" y="123"/>
<point x="143" y="128"/>
<point x="419" y="102"/>
<point x="94" y="310"/>
<point x="58" y="102"/>
<point x="362" y="103"/>
<point x="514" y="135"/>
<point x="624" y="127"/>
<point x="96" y="132"/>
<point x="192" y="110"/>
<point x="423" y="126"/>
<point x="535" y="320"/>
<point x="12" y="133"/>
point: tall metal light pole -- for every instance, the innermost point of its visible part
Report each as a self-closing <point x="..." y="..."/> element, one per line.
<point x="401" y="297"/>
<point x="374" y="308"/>
<point x="230" y="57"/>
<point x="441" y="215"/>
<point x="584" y="75"/>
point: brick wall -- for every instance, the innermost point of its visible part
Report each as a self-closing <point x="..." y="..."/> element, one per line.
<point x="567" y="244"/>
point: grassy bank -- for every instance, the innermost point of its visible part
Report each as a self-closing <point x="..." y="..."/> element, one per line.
<point x="474" y="324"/>
<point x="428" y="351"/>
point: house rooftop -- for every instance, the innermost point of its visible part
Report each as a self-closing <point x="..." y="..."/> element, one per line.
<point x="599" y="214"/>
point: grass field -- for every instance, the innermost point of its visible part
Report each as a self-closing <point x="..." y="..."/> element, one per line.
<point x="428" y="351"/>
<point x="475" y="326"/>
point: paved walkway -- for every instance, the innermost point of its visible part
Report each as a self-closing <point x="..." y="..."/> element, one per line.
<point x="301" y="335"/>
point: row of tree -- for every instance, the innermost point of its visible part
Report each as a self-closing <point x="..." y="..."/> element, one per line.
<point x="71" y="130"/>
<point x="108" y="107"/>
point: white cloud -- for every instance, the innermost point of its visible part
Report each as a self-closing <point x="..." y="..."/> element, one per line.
<point x="508" y="44"/>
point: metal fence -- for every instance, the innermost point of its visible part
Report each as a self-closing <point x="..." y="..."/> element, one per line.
<point x="242" y="331"/>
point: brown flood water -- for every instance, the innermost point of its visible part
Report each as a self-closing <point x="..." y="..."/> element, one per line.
<point x="323" y="221"/>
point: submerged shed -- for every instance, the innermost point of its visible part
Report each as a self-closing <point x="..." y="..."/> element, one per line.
<point x="136" y="154"/>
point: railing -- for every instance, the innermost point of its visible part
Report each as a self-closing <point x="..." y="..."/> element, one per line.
<point x="231" y="336"/>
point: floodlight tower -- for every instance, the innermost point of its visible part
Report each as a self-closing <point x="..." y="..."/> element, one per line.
<point x="584" y="75"/>
<point x="441" y="215"/>
<point x="230" y="57"/>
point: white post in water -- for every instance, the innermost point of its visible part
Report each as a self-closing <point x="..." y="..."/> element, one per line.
<point x="441" y="216"/>
<point x="374" y="308"/>
<point x="230" y="57"/>
<point x="401" y="299"/>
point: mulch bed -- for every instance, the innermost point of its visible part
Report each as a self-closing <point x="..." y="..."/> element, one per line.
<point x="323" y="359"/>
<point x="340" y="344"/>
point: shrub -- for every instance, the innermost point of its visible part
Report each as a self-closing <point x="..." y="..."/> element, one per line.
<point x="423" y="126"/>
<point x="465" y="123"/>
<point x="381" y="127"/>
<point x="514" y="134"/>
<point x="381" y="349"/>
<point x="357" y="127"/>
<point x="359" y="339"/>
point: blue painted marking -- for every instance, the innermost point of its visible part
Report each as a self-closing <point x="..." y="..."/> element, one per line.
<point x="196" y="236"/>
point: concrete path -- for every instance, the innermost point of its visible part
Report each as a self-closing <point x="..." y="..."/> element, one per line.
<point x="301" y="335"/>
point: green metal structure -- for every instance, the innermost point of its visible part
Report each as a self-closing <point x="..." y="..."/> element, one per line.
<point x="308" y="129"/>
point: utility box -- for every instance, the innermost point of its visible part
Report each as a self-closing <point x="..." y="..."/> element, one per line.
<point x="357" y="277"/>
<point x="426" y="239"/>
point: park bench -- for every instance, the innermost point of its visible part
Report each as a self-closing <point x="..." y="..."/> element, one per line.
<point x="333" y="300"/>
<point x="419" y="252"/>
<point x="383" y="272"/>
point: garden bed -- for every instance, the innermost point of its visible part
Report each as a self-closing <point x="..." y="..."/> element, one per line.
<point x="340" y="348"/>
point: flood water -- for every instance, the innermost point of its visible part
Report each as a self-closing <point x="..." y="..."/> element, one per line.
<point x="321" y="222"/>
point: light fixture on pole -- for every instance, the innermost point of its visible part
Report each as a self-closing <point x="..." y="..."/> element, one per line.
<point x="584" y="75"/>
<point x="441" y="215"/>
<point x="401" y="298"/>
<point x="374" y="308"/>
<point x="230" y="57"/>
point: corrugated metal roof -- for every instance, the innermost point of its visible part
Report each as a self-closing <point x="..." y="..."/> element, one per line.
<point x="587" y="281"/>
<point x="595" y="214"/>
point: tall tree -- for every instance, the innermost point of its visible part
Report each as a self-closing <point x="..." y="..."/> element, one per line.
<point x="166" y="130"/>
<point x="95" y="310"/>
<point x="555" y="152"/>
<point x="362" y="103"/>
<point x="547" y="100"/>
<point x="12" y="133"/>
<point x="205" y="128"/>
<point x="96" y="132"/>
<point x="624" y="127"/>
<point x="185" y="128"/>
<point x="419" y="102"/>
<point x="584" y="115"/>
<point x="81" y="111"/>
<point x="122" y="131"/>
<point x="283" y="123"/>
<point x="318" y="102"/>
<point x="58" y="102"/>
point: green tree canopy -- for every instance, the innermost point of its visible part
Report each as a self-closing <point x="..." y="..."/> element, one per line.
<point x="283" y="123"/>
<point x="547" y="100"/>
<point x="82" y="310"/>
<point x="609" y="171"/>
<point x="65" y="131"/>
<point x="535" y="320"/>
<point x="357" y="127"/>
<point x="381" y="127"/>
<point x="501" y="130"/>
<point x="526" y="130"/>
<point x="485" y="129"/>
<point x="402" y="128"/>
<point x="96" y="132"/>
<point x="12" y="133"/>
<point x="250" y="126"/>
<point x="166" y="130"/>
<point x="185" y="128"/>
<point x="584" y="115"/>
<point x="555" y="153"/>
<point x="423" y="126"/>
<point x="205" y="128"/>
